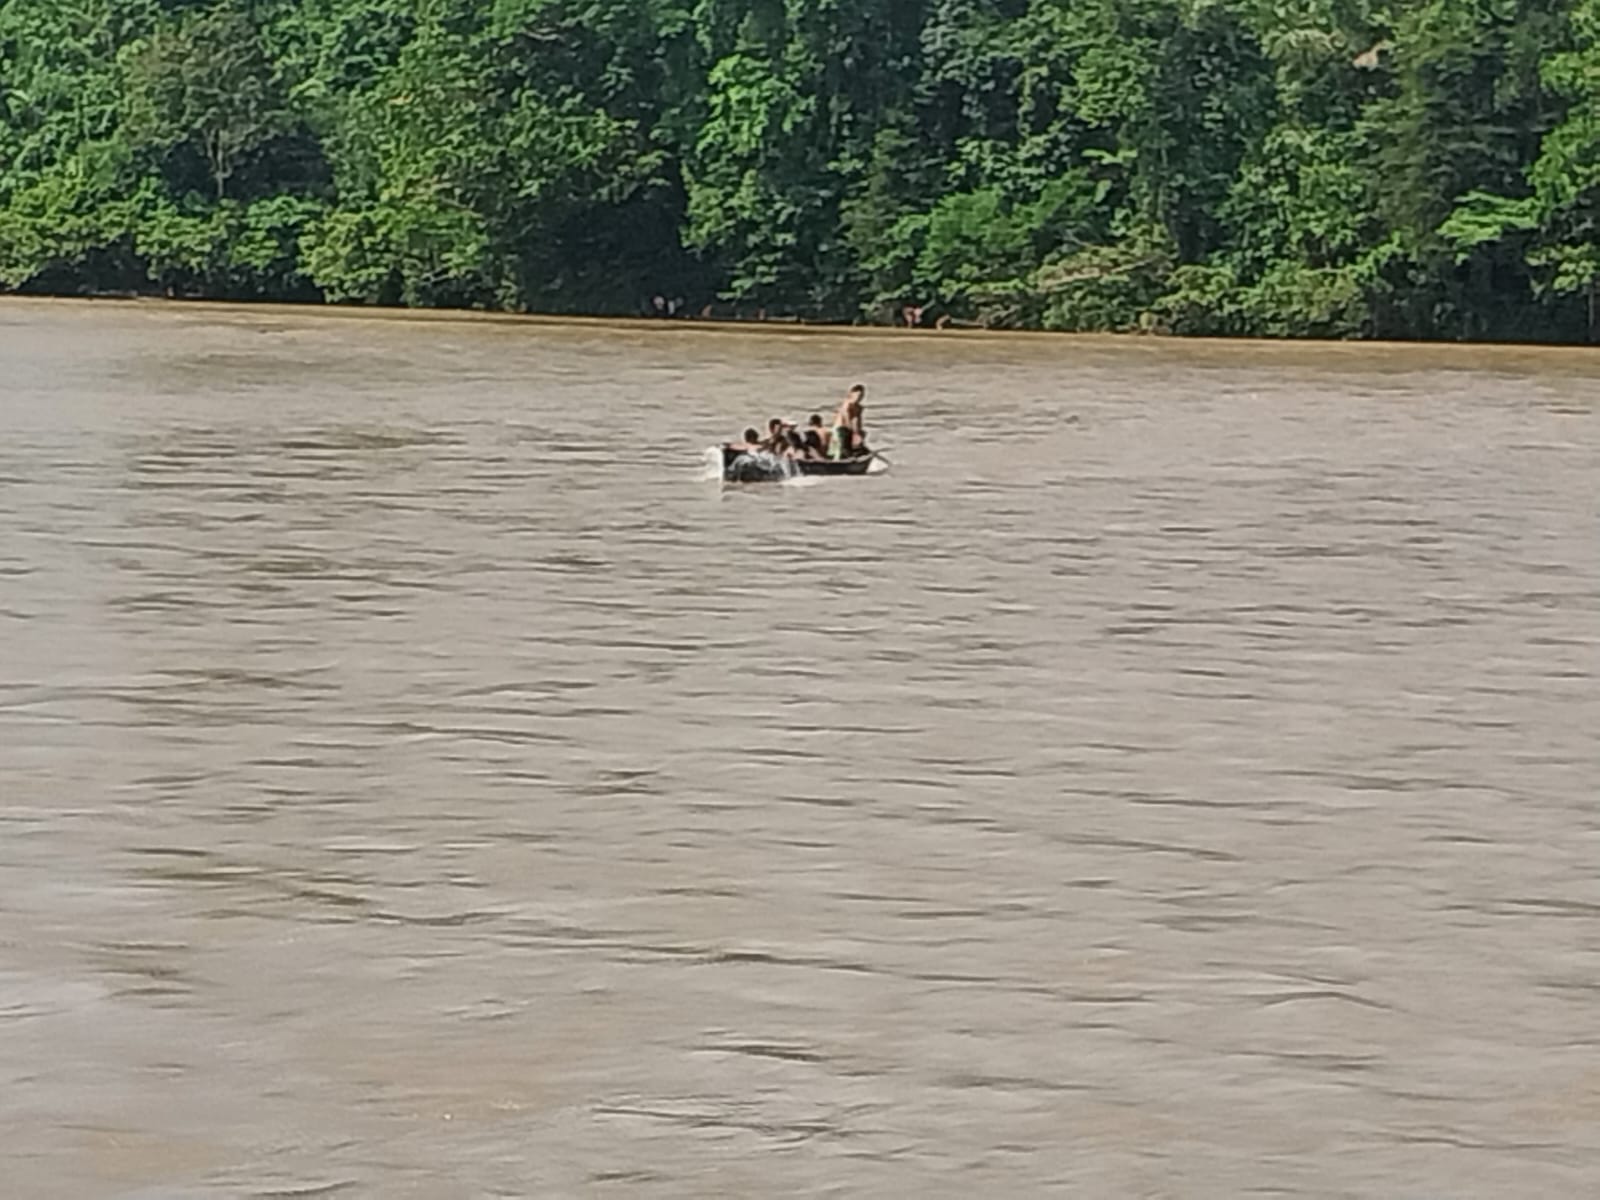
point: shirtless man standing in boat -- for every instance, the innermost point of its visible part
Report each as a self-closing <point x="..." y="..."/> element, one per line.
<point x="849" y="432"/>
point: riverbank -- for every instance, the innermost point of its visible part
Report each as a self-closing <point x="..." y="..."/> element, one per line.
<point x="1498" y="357"/>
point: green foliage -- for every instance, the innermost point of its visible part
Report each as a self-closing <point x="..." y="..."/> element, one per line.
<point x="203" y="89"/>
<point x="1299" y="168"/>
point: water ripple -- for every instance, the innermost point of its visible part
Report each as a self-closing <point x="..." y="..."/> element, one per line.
<point x="406" y="788"/>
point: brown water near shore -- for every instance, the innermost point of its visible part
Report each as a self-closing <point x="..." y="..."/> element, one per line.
<point x="1178" y="776"/>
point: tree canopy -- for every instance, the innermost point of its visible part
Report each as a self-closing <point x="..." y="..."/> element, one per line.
<point x="1310" y="168"/>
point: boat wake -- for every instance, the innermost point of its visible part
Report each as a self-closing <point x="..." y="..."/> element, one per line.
<point x="752" y="466"/>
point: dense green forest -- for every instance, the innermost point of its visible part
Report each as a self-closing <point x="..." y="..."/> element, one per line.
<point x="1325" y="168"/>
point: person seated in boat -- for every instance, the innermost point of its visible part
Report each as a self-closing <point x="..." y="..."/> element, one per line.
<point x="794" y="444"/>
<point x="816" y="448"/>
<point x="849" y="428"/>
<point x="776" y="441"/>
<point x="750" y="444"/>
<point x="816" y="429"/>
<point x="788" y="443"/>
<point x="809" y="446"/>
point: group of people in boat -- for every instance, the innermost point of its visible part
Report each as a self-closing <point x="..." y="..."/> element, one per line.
<point x="845" y="438"/>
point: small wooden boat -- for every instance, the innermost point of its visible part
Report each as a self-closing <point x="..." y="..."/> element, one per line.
<point x="743" y="466"/>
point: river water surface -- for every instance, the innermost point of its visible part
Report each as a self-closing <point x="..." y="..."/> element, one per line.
<point x="1178" y="776"/>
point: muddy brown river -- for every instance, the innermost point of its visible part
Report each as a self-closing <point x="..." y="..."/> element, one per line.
<point x="1178" y="776"/>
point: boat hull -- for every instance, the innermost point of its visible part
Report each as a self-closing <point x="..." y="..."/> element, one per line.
<point x="741" y="467"/>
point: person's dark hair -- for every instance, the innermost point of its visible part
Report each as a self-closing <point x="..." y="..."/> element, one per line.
<point x="775" y="424"/>
<point x="858" y="389"/>
<point x="816" y="421"/>
<point x="751" y="436"/>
